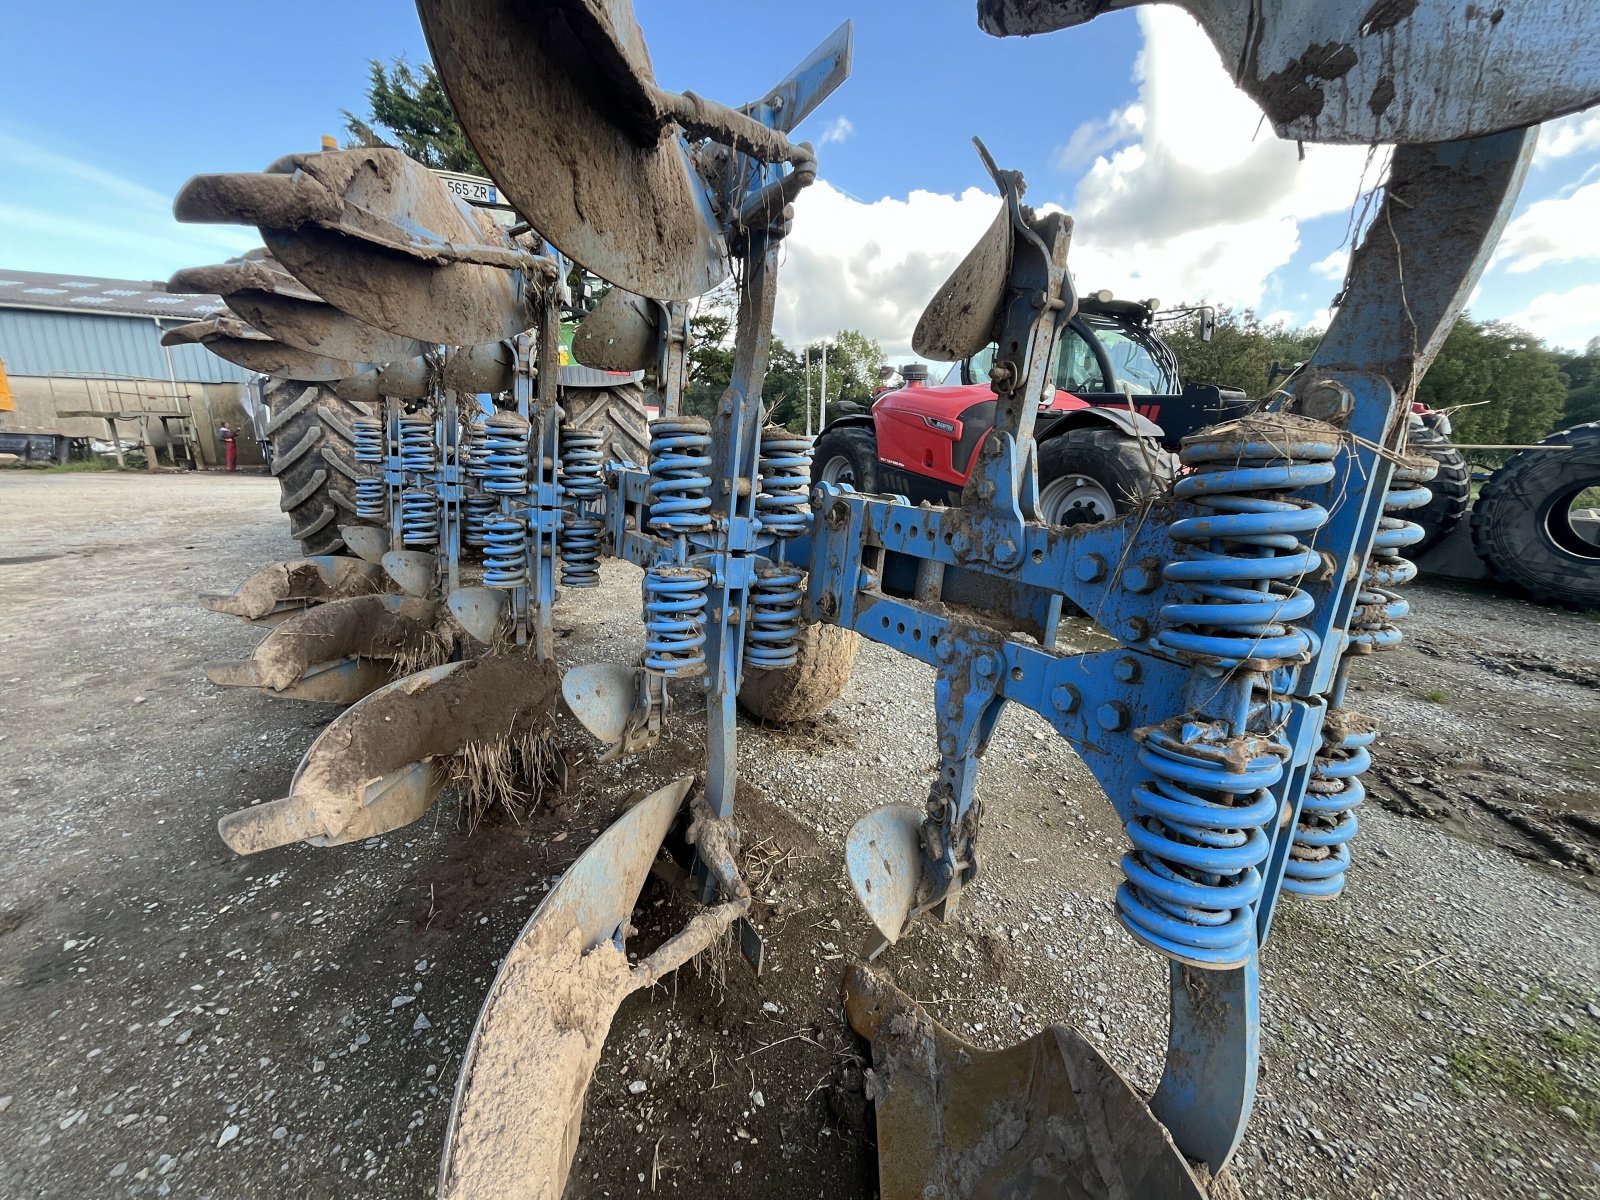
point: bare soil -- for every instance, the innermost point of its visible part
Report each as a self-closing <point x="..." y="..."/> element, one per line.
<point x="176" y="1020"/>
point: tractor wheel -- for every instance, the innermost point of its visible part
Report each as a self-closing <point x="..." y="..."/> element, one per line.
<point x="1094" y="473"/>
<point x="847" y="455"/>
<point x="618" y="414"/>
<point x="1526" y="525"/>
<point x="805" y="690"/>
<point x="313" y="459"/>
<point x="1451" y="488"/>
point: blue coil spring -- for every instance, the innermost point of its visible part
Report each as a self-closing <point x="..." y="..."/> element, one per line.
<point x="784" y="502"/>
<point x="477" y="511"/>
<point x="505" y="551"/>
<point x="1246" y="555"/>
<point x="416" y="442"/>
<point x="773" y="640"/>
<point x="674" y="620"/>
<point x="1199" y="838"/>
<point x="367" y="439"/>
<point x="503" y="461"/>
<point x="1198" y="825"/>
<point x="680" y="479"/>
<point x="581" y="486"/>
<point x="370" y="496"/>
<point x="419" y="518"/>
<point x="1320" y="855"/>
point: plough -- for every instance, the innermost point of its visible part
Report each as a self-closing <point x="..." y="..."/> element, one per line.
<point x="1219" y="727"/>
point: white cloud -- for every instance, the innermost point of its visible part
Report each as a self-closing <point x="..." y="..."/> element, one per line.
<point x="64" y="214"/>
<point x="1567" y="136"/>
<point x="837" y="130"/>
<point x="1093" y="138"/>
<point x="1203" y="202"/>
<point x="1333" y="266"/>
<point x="1208" y="202"/>
<point x="850" y="264"/>
<point x="1567" y="319"/>
<point x="1558" y="230"/>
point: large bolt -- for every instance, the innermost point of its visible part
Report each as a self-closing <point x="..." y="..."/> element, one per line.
<point x="1091" y="568"/>
<point x="1142" y="576"/>
<point x="993" y="448"/>
<point x="1126" y="670"/>
<point x="828" y="606"/>
<point x="1112" y="716"/>
<point x="1005" y="552"/>
<point x="1066" y="698"/>
<point x="1326" y="400"/>
<point x="986" y="666"/>
<point x="986" y="489"/>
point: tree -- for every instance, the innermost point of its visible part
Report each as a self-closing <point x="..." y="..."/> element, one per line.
<point x="1512" y="387"/>
<point x="410" y="106"/>
<point x="1241" y="351"/>
<point x="1583" y="385"/>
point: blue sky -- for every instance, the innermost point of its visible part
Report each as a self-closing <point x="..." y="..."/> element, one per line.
<point x="1129" y="123"/>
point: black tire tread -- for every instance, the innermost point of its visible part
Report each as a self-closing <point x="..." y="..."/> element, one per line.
<point x="313" y="460"/>
<point x="618" y="414"/>
<point x="1451" y="488"/>
<point x="1514" y="549"/>
<point x="855" y="442"/>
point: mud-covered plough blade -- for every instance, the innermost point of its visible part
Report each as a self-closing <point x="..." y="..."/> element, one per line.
<point x="338" y="652"/>
<point x="367" y="542"/>
<point x="245" y="346"/>
<point x="518" y="1105"/>
<point x="282" y="589"/>
<point x="262" y="293"/>
<point x="381" y="763"/>
<point x="381" y="238"/>
<point x="1047" y="1117"/>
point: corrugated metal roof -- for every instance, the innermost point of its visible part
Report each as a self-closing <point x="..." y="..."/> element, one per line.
<point x="89" y="345"/>
<point x="90" y="293"/>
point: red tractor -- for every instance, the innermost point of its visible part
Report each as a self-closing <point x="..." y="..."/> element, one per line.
<point x="1101" y="449"/>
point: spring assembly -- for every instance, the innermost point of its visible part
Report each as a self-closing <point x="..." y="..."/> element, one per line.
<point x="416" y="442"/>
<point x="773" y="639"/>
<point x="580" y="526"/>
<point x="477" y="510"/>
<point x="783" y="504"/>
<point x="368" y="443"/>
<point x="419" y="518"/>
<point x="674" y="620"/>
<point x="1320" y="855"/>
<point x="505" y="551"/>
<point x="680" y="480"/>
<point x="503" y="461"/>
<point x="1199" y="837"/>
<point x="1245" y="555"/>
<point x="1198" y="824"/>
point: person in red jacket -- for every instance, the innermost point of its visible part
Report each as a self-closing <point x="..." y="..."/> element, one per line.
<point x="230" y="446"/>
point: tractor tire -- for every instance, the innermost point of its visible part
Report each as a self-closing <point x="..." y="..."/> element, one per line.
<point x="1451" y="488"/>
<point x="313" y="460"/>
<point x="846" y="454"/>
<point x="1521" y="524"/>
<point x="618" y="414"/>
<point x="805" y="690"/>
<point x="1094" y="473"/>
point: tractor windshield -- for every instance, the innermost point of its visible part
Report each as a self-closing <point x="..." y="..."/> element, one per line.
<point x="1136" y="359"/>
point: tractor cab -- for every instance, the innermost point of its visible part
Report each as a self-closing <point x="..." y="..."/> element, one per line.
<point x="1109" y="350"/>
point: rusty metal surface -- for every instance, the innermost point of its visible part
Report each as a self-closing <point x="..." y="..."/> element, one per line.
<point x="373" y="631"/>
<point x="267" y="297"/>
<point x="375" y="768"/>
<point x="619" y="335"/>
<point x="278" y="587"/>
<point x="244" y="346"/>
<point x="1047" y="1117"/>
<point x="1382" y="70"/>
<point x="960" y="319"/>
<point x="380" y="237"/>
<point x="560" y="104"/>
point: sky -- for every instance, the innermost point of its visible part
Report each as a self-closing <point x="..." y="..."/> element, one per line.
<point x="1178" y="189"/>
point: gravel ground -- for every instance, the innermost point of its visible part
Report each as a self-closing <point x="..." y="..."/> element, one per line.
<point x="177" y="1021"/>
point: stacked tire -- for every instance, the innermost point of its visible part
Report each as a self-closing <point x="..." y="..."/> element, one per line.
<point x="313" y="459"/>
<point x="1526" y="524"/>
